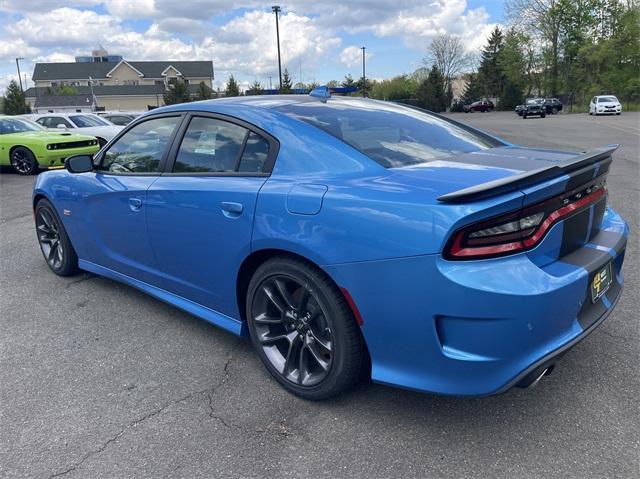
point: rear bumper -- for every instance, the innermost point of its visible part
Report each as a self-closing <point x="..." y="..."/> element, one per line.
<point x="478" y="327"/>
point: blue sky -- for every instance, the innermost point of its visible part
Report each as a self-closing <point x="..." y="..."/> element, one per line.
<point x="320" y="40"/>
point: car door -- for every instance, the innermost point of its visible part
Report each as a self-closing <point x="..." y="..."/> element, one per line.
<point x="114" y="197"/>
<point x="200" y="211"/>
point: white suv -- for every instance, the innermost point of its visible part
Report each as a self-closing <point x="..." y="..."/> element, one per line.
<point x="603" y="104"/>
<point x="85" y="123"/>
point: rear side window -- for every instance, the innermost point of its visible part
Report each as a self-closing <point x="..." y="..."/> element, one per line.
<point x="391" y="134"/>
<point x="140" y="149"/>
<point x="211" y="145"/>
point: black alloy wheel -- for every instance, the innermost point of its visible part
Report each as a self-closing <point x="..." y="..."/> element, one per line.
<point x="303" y="329"/>
<point x="54" y="242"/>
<point x="23" y="161"/>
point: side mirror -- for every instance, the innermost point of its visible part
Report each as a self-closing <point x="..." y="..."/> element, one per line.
<point x="79" y="164"/>
<point x="61" y="126"/>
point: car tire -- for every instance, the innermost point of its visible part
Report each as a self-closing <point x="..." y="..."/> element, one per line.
<point x="524" y="116"/>
<point x="54" y="242"/>
<point x="543" y="115"/>
<point x="303" y="329"/>
<point x="554" y="111"/>
<point x="617" y="113"/>
<point x="23" y="161"/>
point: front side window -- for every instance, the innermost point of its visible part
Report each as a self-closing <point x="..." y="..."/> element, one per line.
<point x="54" y="121"/>
<point x="140" y="149"/>
<point x="210" y="146"/>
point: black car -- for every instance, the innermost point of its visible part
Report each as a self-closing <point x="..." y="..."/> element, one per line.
<point x="533" y="107"/>
<point x="552" y="105"/>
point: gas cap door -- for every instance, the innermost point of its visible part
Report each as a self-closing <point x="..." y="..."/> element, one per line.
<point x="306" y="198"/>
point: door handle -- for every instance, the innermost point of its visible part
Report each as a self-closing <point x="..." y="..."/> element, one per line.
<point x="135" y="203"/>
<point x="231" y="209"/>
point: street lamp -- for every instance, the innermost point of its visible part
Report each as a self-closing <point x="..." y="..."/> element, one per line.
<point x="364" y="77"/>
<point x="276" y="9"/>
<point x="19" y="76"/>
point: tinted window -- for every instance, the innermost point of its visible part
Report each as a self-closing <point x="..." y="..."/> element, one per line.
<point x="84" y="121"/>
<point x="391" y="134"/>
<point x="210" y="146"/>
<point x="17" y="125"/>
<point x="119" y="120"/>
<point x="255" y="154"/>
<point x="140" y="149"/>
<point x="607" y="99"/>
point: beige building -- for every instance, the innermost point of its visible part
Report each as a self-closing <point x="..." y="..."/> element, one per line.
<point x="118" y="84"/>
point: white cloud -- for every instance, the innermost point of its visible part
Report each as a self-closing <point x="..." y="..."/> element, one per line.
<point x="352" y="56"/>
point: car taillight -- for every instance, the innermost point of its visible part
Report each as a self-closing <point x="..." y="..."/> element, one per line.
<point x="521" y="230"/>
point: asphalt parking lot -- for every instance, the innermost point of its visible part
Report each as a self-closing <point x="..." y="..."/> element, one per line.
<point x="99" y="380"/>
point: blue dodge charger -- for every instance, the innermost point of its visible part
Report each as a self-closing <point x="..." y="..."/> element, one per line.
<point x="348" y="237"/>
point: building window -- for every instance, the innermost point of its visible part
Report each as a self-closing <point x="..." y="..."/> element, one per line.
<point x="131" y="82"/>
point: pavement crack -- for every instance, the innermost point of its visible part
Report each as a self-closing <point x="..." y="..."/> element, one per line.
<point x="225" y="376"/>
<point x="614" y="336"/>
<point x="86" y="277"/>
<point x="128" y="427"/>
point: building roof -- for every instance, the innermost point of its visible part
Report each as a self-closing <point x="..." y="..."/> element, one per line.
<point x="99" y="70"/>
<point x="61" y="101"/>
<point x="111" y="90"/>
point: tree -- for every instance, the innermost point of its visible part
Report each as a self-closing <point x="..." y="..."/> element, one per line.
<point x="402" y="87"/>
<point x="204" y="92"/>
<point x="511" y="97"/>
<point x="232" y="87"/>
<point x="66" y="90"/>
<point x="14" y="100"/>
<point x="473" y="90"/>
<point x="448" y="54"/>
<point x="364" y="86"/>
<point x="431" y="91"/>
<point x="255" y="88"/>
<point x="286" y="82"/>
<point x="333" y="84"/>
<point x="178" y="92"/>
<point x="348" y="82"/>
<point x="490" y="71"/>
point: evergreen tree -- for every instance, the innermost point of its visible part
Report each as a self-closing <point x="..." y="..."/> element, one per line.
<point x="178" y="92"/>
<point x="511" y="97"/>
<point x="473" y="90"/>
<point x="204" y="92"/>
<point x="490" y="70"/>
<point x="364" y="87"/>
<point x="232" y="87"/>
<point x="286" y="82"/>
<point x="49" y="91"/>
<point x="14" y="100"/>
<point x="255" y="88"/>
<point x="431" y="91"/>
<point x="348" y="82"/>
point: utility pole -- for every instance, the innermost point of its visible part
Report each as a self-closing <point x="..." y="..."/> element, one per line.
<point x="19" y="75"/>
<point x="270" y="85"/>
<point x="276" y="10"/>
<point x="364" y="77"/>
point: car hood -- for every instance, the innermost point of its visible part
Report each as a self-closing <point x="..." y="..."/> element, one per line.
<point x="465" y="170"/>
<point x="47" y="136"/>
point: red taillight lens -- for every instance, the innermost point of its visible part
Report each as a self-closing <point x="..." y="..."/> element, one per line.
<point x="520" y="230"/>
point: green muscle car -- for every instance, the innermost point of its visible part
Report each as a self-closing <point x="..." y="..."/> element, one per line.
<point x="27" y="146"/>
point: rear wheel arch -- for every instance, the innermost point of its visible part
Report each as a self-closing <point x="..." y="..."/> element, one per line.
<point x="252" y="262"/>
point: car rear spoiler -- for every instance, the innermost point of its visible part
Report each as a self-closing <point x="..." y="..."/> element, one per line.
<point x="528" y="178"/>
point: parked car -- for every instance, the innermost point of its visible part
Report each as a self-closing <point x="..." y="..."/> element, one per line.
<point x="85" y="123"/>
<point x="119" y="118"/>
<point x="552" y="105"/>
<point x="534" y="107"/>
<point x="27" y="146"/>
<point x="482" y="105"/>
<point x="344" y="232"/>
<point x="604" y="105"/>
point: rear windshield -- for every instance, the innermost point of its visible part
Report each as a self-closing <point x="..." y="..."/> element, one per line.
<point x="85" y="121"/>
<point x="391" y="134"/>
<point x="607" y="99"/>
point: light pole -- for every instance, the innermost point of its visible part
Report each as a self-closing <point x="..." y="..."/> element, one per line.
<point x="270" y="85"/>
<point x="276" y="10"/>
<point x="19" y="76"/>
<point x="364" y="77"/>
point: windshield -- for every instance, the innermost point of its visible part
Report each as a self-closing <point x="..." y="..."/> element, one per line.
<point x="85" y="121"/>
<point x="534" y="101"/>
<point x="607" y="99"/>
<point x="391" y="134"/>
<point x="17" y="125"/>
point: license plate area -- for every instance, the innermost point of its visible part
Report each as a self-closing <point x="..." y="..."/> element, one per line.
<point x="601" y="282"/>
